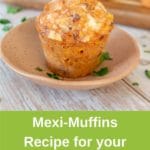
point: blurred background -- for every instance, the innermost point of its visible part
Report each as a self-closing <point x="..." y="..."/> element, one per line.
<point x="128" y="12"/>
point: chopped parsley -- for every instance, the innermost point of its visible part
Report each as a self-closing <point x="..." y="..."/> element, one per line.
<point x="105" y="56"/>
<point x="54" y="76"/>
<point x="4" y="21"/>
<point x="6" y="28"/>
<point x="39" y="69"/>
<point x="50" y="75"/>
<point x="147" y="73"/>
<point x="13" y="9"/>
<point x="23" y="19"/>
<point x="135" y="84"/>
<point x="101" y="72"/>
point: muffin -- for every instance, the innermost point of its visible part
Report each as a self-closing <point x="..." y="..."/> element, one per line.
<point x="73" y="34"/>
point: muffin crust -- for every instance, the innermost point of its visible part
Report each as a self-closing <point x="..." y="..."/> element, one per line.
<point x="74" y="20"/>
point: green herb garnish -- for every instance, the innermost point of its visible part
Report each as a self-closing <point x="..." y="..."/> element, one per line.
<point x="105" y="56"/>
<point x="147" y="73"/>
<point x="146" y="51"/>
<point x="39" y="69"/>
<point x="13" y="9"/>
<point x="101" y="72"/>
<point x="135" y="84"/>
<point x="54" y="76"/>
<point x="6" y="28"/>
<point x="23" y="19"/>
<point x="4" y="21"/>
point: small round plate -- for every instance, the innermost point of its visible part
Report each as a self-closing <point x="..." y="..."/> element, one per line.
<point x="21" y="51"/>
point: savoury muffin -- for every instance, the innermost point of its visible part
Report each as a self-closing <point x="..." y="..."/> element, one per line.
<point x="73" y="34"/>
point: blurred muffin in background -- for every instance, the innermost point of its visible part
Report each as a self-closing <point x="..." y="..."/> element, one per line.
<point x="73" y="34"/>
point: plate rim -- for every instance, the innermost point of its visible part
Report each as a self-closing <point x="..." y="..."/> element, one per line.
<point x="99" y="82"/>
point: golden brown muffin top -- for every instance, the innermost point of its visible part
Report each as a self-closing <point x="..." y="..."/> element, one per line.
<point x="74" y="20"/>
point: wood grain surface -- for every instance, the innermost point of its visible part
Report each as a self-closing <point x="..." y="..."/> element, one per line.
<point x="37" y="4"/>
<point x="18" y="93"/>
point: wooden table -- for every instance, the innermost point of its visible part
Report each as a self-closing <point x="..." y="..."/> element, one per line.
<point x="18" y="93"/>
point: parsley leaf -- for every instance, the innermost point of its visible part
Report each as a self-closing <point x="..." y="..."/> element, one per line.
<point x="105" y="56"/>
<point x="23" y="19"/>
<point x="54" y="76"/>
<point x="135" y="84"/>
<point x="13" y="9"/>
<point x="6" y="28"/>
<point x="4" y="21"/>
<point x="101" y="72"/>
<point x="147" y="73"/>
<point x="39" y="69"/>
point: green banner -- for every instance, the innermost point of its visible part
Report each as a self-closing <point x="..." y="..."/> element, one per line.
<point x="74" y="130"/>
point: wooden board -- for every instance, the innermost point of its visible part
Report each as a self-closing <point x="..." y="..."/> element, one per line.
<point x="129" y="13"/>
<point x="40" y="3"/>
<point x="18" y="93"/>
